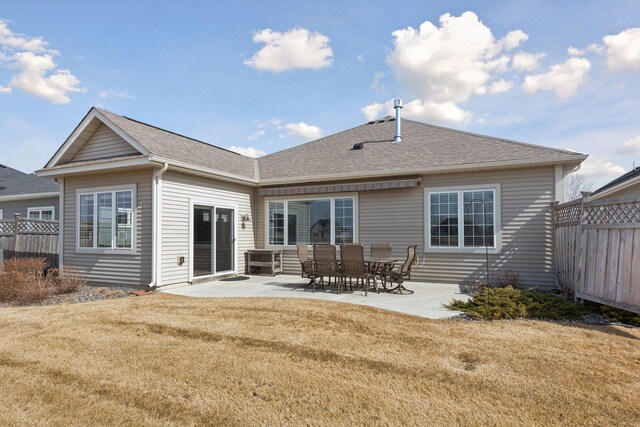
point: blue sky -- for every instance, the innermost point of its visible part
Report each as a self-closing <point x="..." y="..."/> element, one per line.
<point x="270" y="75"/>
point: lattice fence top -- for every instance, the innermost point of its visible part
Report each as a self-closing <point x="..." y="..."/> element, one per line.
<point x="612" y="213"/>
<point x="38" y="226"/>
<point x="6" y="227"/>
<point x="568" y="214"/>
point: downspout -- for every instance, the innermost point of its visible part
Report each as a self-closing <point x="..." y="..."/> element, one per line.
<point x="60" y="225"/>
<point x="156" y="191"/>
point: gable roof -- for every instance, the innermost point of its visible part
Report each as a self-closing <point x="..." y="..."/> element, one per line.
<point x="618" y="181"/>
<point x="14" y="183"/>
<point x="423" y="147"/>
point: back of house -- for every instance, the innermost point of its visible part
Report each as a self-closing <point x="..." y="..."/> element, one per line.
<point x="145" y="206"/>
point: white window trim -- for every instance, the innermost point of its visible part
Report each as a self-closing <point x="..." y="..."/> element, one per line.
<point x="332" y="198"/>
<point x="134" y="225"/>
<point x="40" y="209"/>
<point x="1" y="214"/>
<point x="497" y="219"/>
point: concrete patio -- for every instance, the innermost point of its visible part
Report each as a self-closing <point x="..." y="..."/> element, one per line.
<point x="427" y="301"/>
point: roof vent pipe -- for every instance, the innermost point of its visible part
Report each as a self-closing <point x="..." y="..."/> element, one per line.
<point x="397" y="104"/>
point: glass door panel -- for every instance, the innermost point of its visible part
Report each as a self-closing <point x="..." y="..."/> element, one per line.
<point x="202" y="241"/>
<point x="225" y="240"/>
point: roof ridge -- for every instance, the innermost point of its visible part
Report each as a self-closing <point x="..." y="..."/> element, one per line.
<point x="496" y="138"/>
<point x="171" y="132"/>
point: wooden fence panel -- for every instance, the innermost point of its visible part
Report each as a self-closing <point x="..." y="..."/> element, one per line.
<point x="598" y="250"/>
<point x="23" y="237"/>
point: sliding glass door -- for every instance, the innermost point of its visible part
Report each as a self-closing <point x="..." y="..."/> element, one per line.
<point x="213" y="240"/>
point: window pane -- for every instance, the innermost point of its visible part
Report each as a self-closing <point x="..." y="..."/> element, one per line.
<point x="309" y="221"/>
<point x="46" y="214"/>
<point x="34" y="215"/>
<point x="478" y="223"/>
<point x="105" y="219"/>
<point x="124" y="219"/>
<point x="444" y="219"/>
<point x="344" y="221"/>
<point x="86" y="221"/>
<point x="276" y="223"/>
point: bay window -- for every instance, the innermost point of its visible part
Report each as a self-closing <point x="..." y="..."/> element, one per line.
<point x="462" y="219"/>
<point x="311" y="221"/>
<point x="105" y="219"/>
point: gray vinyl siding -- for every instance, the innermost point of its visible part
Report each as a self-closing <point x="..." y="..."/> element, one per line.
<point x="398" y="216"/>
<point x="21" y="206"/>
<point x="125" y="269"/>
<point x="177" y="191"/>
<point x="631" y="191"/>
<point x="104" y="144"/>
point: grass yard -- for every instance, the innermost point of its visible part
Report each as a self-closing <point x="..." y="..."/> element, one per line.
<point x="176" y="361"/>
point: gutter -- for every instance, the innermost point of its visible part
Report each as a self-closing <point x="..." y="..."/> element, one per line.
<point x="156" y="247"/>
<point x="29" y="196"/>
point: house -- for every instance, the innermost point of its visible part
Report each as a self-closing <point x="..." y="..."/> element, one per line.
<point x="27" y="195"/>
<point x="146" y="206"/>
<point x="627" y="185"/>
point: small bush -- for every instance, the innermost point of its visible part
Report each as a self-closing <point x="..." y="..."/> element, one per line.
<point x="35" y="267"/>
<point x="22" y="288"/>
<point x="511" y="303"/>
<point x="617" y="315"/>
<point x="70" y="282"/>
<point x="505" y="277"/>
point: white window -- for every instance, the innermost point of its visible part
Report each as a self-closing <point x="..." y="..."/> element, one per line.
<point x="42" y="212"/>
<point x="328" y="220"/>
<point x="106" y="219"/>
<point x="462" y="219"/>
<point x="1" y="214"/>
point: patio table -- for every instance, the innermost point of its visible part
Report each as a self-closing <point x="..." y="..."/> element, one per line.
<point x="377" y="263"/>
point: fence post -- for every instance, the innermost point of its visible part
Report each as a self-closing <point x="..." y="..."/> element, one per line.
<point x="16" y="231"/>
<point x="554" y="240"/>
<point x="582" y="251"/>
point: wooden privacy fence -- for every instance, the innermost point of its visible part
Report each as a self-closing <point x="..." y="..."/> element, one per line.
<point x="597" y="250"/>
<point x="23" y="237"/>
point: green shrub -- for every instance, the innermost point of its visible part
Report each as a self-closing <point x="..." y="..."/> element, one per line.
<point x="511" y="303"/>
<point x="617" y="315"/>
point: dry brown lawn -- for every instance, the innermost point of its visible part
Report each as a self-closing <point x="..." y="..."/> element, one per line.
<point x="167" y="360"/>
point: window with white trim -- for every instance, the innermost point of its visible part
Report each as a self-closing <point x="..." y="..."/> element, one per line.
<point x="462" y="218"/>
<point x="42" y="212"/>
<point x="311" y="221"/>
<point x="105" y="219"/>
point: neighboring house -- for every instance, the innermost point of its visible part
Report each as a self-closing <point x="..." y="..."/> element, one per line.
<point x="145" y="206"/>
<point x="628" y="185"/>
<point x="27" y="195"/>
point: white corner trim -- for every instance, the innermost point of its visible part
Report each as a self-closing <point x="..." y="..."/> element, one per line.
<point x="93" y="114"/>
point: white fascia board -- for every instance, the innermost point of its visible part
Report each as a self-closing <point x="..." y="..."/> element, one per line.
<point x="94" y="167"/>
<point x="434" y="169"/>
<point x="83" y="125"/>
<point x="29" y="196"/>
<point x="200" y="170"/>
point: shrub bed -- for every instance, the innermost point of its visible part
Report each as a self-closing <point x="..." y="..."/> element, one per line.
<point x="29" y="280"/>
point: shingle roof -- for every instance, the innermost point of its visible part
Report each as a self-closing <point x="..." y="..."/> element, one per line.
<point x="626" y="177"/>
<point x="173" y="146"/>
<point x="423" y="146"/>
<point x="13" y="182"/>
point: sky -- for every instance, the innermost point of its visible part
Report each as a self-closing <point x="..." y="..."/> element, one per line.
<point x="259" y="77"/>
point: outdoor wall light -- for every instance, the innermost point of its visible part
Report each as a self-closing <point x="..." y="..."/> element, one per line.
<point x="243" y="218"/>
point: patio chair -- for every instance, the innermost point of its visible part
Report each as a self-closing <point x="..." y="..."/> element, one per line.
<point x="306" y="265"/>
<point x="326" y="265"/>
<point x="353" y="266"/>
<point x="398" y="277"/>
<point x="381" y="250"/>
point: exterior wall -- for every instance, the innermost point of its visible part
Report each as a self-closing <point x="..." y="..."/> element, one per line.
<point x="631" y="191"/>
<point x="104" y="144"/>
<point x="21" y="206"/>
<point x="398" y="216"/>
<point x="178" y="189"/>
<point x="125" y="269"/>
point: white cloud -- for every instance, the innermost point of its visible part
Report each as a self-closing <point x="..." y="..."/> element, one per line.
<point x="38" y="76"/>
<point x="599" y="169"/>
<point x="296" y="48"/>
<point x="500" y="86"/>
<point x="104" y="94"/>
<point x="256" y="135"/>
<point x="595" y="47"/>
<point x="376" y="83"/>
<point x="247" y="151"/>
<point x="360" y="57"/>
<point x="523" y="61"/>
<point x="444" y="66"/>
<point x="623" y="50"/>
<point x="15" y="41"/>
<point x="574" y="51"/>
<point x="304" y="130"/>
<point x="420" y="110"/>
<point x="564" y="78"/>
<point x="35" y="72"/>
<point x="630" y="147"/>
